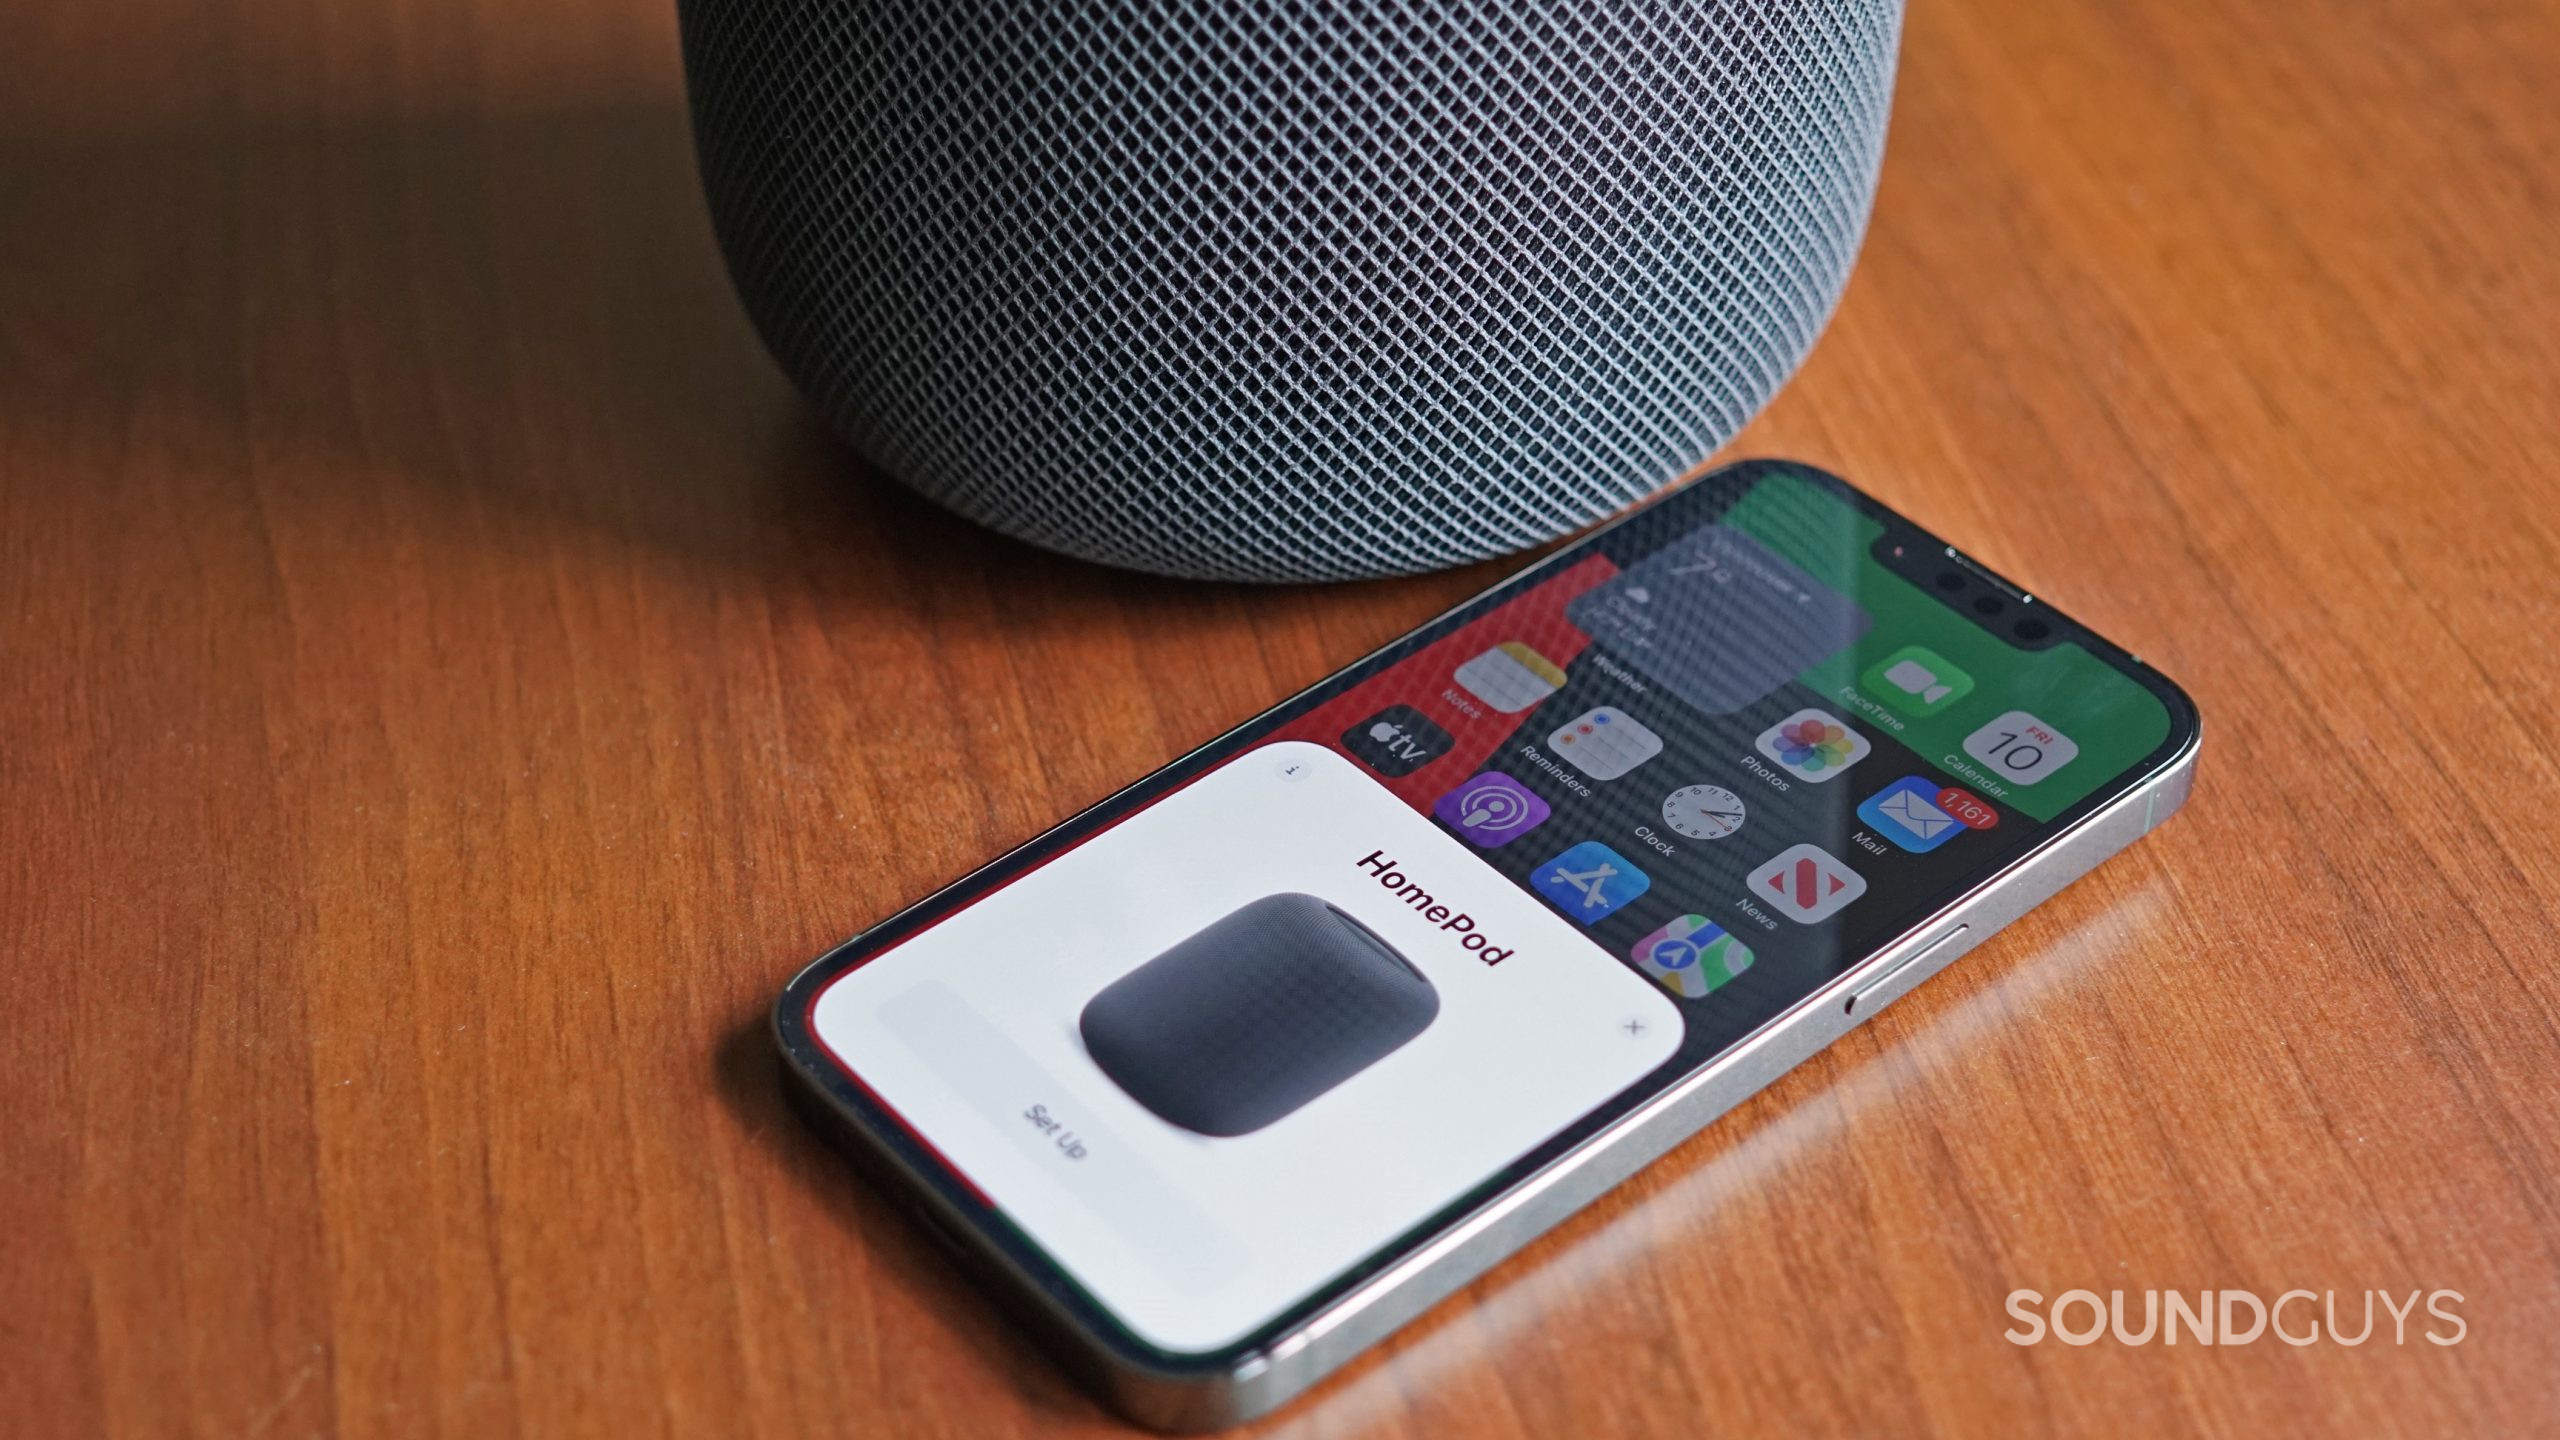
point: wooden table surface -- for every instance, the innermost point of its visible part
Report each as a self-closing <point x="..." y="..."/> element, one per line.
<point x="448" y="682"/>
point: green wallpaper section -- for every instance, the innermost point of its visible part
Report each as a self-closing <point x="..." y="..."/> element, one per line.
<point x="2115" y="721"/>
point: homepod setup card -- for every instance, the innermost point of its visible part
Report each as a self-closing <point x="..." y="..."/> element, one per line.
<point x="1242" y="1039"/>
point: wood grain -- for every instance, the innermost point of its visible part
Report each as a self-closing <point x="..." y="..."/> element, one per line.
<point x="448" y="682"/>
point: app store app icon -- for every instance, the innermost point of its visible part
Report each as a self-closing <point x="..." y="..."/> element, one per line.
<point x="1590" y="882"/>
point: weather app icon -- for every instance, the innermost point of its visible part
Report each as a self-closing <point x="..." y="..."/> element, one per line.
<point x="1492" y="810"/>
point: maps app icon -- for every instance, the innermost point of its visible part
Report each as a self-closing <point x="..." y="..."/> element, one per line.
<point x="1691" y="956"/>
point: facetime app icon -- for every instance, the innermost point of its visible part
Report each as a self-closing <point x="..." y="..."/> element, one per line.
<point x="1510" y="677"/>
<point x="1917" y="681"/>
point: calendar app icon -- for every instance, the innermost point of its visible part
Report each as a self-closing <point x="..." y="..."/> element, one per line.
<point x="2021" y="748"/>
<point x="1605" y="743"/>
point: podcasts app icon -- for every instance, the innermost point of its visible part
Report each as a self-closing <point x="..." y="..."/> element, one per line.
<point x="1492" y="810"/>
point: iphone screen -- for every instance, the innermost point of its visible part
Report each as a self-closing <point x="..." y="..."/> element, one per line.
<point x="1233" y="1037"/>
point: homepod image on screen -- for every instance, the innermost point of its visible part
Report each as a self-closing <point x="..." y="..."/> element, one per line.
<point x="1254" y="1016"/>
<point x="1273" y="291"/>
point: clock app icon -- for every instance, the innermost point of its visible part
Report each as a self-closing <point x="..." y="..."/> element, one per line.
<point x="1703" y="812"/>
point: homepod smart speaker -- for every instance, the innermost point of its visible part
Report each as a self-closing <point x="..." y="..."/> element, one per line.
<point x="1276" y="291"/>
<point x="1256" y="1015"/>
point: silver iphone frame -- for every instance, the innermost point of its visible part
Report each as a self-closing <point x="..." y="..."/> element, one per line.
<point x="1174" y="1397"/>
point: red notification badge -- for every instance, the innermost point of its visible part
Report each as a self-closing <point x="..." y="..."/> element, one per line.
<point x="1969" y="809"/>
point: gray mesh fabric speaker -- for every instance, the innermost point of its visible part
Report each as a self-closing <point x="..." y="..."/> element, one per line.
<point x="1275" y="290"/>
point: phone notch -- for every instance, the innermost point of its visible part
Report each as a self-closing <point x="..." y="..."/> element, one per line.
<point x="1970" y="588"/>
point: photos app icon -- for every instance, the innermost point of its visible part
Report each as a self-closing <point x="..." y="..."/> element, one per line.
<point x="1813" y="744"/>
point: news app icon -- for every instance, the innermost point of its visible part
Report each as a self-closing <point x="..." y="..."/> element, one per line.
<point x="1492" y="810"/>
<point x="1806" y="883"/>
<point x="1691" y="957"/>
<point x="1590" y="882"/>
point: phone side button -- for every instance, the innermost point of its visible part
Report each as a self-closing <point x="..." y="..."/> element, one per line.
<point x="1904" y="973"/>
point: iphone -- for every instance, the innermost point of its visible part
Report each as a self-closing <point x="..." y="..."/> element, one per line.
<point x="1224" y="1079"/>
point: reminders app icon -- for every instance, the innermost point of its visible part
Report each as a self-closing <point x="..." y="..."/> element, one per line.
<point x="1605" y="743"/>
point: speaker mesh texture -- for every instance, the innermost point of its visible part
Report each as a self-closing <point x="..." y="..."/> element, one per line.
<point x="1288" y="291"/>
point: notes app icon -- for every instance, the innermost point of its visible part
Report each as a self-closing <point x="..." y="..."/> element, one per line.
<point x="1511" y="677"/>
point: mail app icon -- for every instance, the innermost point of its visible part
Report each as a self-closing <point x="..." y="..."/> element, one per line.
<point x="1907" y="813"/>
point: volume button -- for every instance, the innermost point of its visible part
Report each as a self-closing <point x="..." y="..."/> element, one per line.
<point x="1858" y="998"/>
